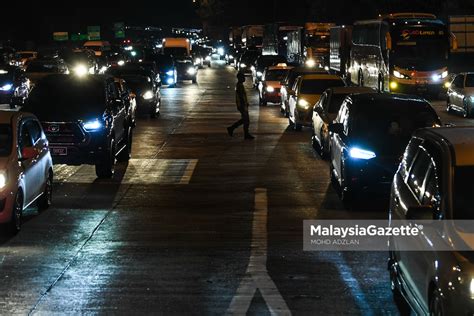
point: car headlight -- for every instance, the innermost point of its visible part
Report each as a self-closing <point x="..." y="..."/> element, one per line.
<point x="3" y="179"/>
<point x="310" y="63"/>
<point x="92" y="125"/>
<point x="198" y="60"/>
<point x="436" y="77"/>
<point x="6" y="87"/>
<point x="191" y="71"/>
<point x="208" y="58"/>
<point x="170" y="81"/>
<point x="121" y="63"/>
<point x="259" y="74"/>
<point x="303" y="103"/>
<point x="270" y="89"/>
<point x="231" y="57"/>
<point x="170" y="73"/>
<point x="399" y="75"/>
<point x="81" y="70"/>
<point x="220" y="51"/>
<point x="148" y="95"/>
<point x="242" y="65"/>
<point x="358" y="153"/>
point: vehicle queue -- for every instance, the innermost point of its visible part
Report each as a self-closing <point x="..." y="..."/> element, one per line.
<point x="356" y="123"/>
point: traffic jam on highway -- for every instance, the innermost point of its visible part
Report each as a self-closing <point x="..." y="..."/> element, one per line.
<point x="374" y="102"/>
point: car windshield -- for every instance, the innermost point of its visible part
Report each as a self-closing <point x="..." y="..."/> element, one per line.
<point x="275" y="75"/>
<point x="463" y="198"/>
<point x="335" y="103"/>
<point x="318" y="86"/>
<point x="66" y="94"/>
<point x="42" y="67"/>
<point x="5" y="140"/>
<point x="470" y="81"/>
<point x="388" y="130"/>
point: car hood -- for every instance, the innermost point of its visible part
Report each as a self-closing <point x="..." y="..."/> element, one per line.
<point x="310" y="98"/>
<point x="65" y="114"/>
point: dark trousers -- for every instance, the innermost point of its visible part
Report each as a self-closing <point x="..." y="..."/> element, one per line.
<point x="245" y="120"/>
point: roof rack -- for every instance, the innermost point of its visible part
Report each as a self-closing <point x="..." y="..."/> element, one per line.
<point x="407" y="15"/>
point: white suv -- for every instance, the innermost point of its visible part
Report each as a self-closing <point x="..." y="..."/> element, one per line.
<point x="26" y="168"/>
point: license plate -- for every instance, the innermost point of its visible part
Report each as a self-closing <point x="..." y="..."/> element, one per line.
<point x="58" y="151"/>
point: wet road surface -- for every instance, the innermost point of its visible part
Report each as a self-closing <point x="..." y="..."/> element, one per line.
<point x="196" y="223"/>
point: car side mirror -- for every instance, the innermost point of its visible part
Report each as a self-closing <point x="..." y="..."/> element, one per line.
<point x="336" y="128"/>
<point x="28" y="153"/>
<point x="422" y="212"/>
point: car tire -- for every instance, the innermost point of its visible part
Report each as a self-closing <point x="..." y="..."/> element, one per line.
<point x="105" y="169"/>
<point x="436" y="304"/>
<point x="126" y="152"/>
<point x="46" y="198"/>
<point x="17" y="213"/>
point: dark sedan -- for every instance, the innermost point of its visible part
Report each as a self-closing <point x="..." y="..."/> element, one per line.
<point x="186" y="69"/>
<point x="368" y="138"/>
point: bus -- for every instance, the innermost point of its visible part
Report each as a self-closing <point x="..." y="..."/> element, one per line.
<point x="402" y="52"/>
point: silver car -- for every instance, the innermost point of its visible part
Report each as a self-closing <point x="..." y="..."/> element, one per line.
<point x="26" y="168"/>
<point x="461" y="94"/>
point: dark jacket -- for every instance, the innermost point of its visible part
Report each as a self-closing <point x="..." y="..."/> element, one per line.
<point x="241" y="97"/>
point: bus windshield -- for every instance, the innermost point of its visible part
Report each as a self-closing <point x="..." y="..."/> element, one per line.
<point x="420" y="48"/>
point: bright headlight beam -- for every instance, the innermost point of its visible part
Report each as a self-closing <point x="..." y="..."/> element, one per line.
<point x="92" y="125"/>
<point x="270" y="89"/>
<point x="3" y="180"/>
<point x="6" y="87"/>
<point x="359" y="153"/>
<point x="81" y="70"/>
<point x="303" y="103"/>
<point x="191" y="70"/>
<point x="310" y="63"/>
<point x="148" y="95"/>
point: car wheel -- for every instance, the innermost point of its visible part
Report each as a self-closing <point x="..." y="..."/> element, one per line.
<point x="106" y="168"/>
<point x="126" y="152"/>
<point x="46" y="199"/>
<point x="436" y="304"/>
<point x="17" y="213"/>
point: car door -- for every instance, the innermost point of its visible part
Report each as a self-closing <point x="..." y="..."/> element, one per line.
<point x="118" y="111"/>
<point x="338" y="142"/>
<point x="293" y="98"/>
<point x="29" y="166"/>
<point x="317" y="118"/>
<point x="410" y="261"/>
<point x="457" y="91"/>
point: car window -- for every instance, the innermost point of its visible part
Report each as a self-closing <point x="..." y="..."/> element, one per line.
<point x="409" y="155"/>
<point x="459" y="81"/>
<point x="431" y="193"/>
<point x="335" y="102"/>
<point x="418" y="173"/>
<point x="34" y="130"/>
<point x="25" y="137"/>
<point x="469" y="80"/>
<point x="318" y="86"/>
<point x="5" y="140"/>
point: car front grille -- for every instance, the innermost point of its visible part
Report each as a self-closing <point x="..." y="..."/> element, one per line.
<point x="64" y="133"/>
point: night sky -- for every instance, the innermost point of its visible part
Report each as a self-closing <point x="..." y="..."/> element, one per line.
<point x="39" y="20"/>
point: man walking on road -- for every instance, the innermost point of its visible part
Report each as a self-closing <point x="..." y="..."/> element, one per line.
<point x="242" y="106"/>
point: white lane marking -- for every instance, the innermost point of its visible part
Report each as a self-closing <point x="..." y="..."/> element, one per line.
<point x="256" y="277"/>
<point x="188" y="173"/>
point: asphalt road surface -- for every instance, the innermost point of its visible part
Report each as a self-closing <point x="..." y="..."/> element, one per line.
<point x="197" y="223"/>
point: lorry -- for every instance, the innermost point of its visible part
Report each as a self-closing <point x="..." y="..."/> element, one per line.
<point x="340" y="49"/>
<point x="275" y="38"/>
<point x="252" y="36"/>
<point x="310" y="45"/>
<point x="176" y="47"/>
